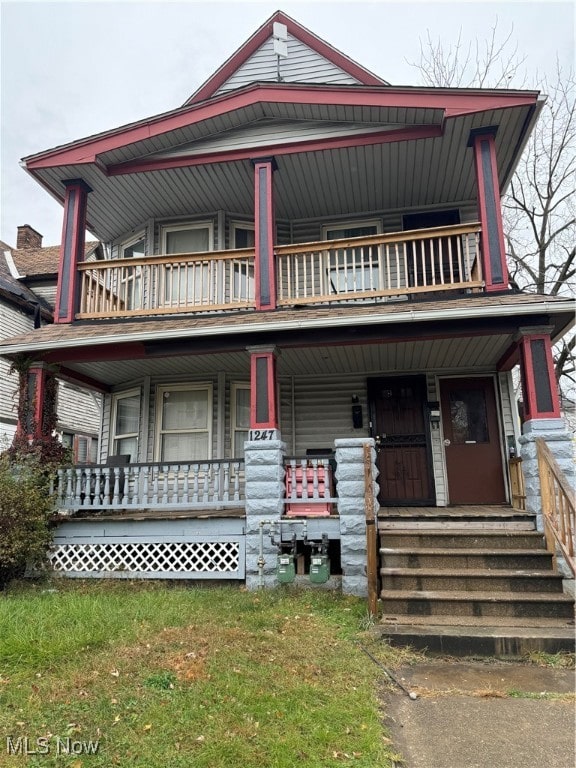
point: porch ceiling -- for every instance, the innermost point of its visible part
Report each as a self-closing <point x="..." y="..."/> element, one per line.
<point x="466" y="354"/>
<point x="393" y="175"/>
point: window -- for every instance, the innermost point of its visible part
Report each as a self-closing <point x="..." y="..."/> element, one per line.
<point x="239" y="418"/>
<point x="437" y="260"/>
<point x="188" y="282"/>
<point x="468" y="416"/>
<point x="184" y="431"/>
<point x="353" y="269"/>
<point x="131" y="279"/>
<point x="243" y="236"/>
<point x="126" y="424"/>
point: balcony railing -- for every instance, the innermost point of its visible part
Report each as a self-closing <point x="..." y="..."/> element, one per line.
<point x="382" y="266"/>
<point x="159" y="485"/>
<point x="197" y="282"/>
<point x="378" y="266"/>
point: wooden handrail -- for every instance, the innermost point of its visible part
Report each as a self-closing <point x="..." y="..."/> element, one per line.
<point x="371" y="533"/>
<point x="172" y="258"/>
<point x="517" y="487"/>
<point x="557" y="505"/>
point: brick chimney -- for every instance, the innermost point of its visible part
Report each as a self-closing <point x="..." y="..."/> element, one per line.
<point x="28" y="237"/>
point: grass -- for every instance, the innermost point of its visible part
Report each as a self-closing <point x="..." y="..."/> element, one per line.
<point x="163" y="675"/>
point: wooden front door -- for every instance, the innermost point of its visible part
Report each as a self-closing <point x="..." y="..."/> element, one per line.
<point x="400" y="426"/>
<point x="472" y="441"/>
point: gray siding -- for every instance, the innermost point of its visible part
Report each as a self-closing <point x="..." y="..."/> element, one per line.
<point x="302" y="65"/>
<point x="12" y="323"/>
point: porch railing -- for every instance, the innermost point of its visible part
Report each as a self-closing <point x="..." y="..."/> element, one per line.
<point x="309" y="486"/>
<point x="557" y="505"/>
<point x="518" y="491"/>
<point x="158" y="485"/>
<point x="393" y="264"/>
<point x="196" y="282"/>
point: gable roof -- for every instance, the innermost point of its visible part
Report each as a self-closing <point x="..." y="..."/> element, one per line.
<point x="310" y="59"/>
<point x="43" y="262"/>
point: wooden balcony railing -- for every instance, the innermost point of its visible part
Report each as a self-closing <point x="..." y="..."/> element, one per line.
<point x="197" y="282"/>
<point x="157" y="485"/>
<point x="557" y="505"/>
<point x="394" y="264"/>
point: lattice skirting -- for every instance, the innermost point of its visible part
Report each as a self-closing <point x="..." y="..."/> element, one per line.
<point x="146" y="557"/>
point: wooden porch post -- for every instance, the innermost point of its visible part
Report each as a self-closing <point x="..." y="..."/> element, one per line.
<point x="263" y="393"/>
<point x="265" y="266"/>
<point x="489" y="209"/>
<point x="539" y="387"/>
<point x="71" y="249"/>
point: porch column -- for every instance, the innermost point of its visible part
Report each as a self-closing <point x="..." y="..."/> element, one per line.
<point x="352" y="511"/>
<point x="71" y="249"/>
<point x="489" y="209"/>
<point x="265" y="266"/>
<point x="263" y="394"/>
<point x="542" y="415"/>
<point x="37" y="407"/>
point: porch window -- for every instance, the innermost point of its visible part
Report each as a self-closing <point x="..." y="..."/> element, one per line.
<point x="239" y="418"/>
<point x="184" y="423"/>
<point x="242" y="236"/>
<point x="131" y="280"/>
<point x="188" y="282"/>
<point x="353" y="269"/>
<point x="126" y="423"/>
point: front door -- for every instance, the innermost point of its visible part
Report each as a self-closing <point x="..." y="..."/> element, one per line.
<point x="472" y="441"/>
<point x="400" y="426"/>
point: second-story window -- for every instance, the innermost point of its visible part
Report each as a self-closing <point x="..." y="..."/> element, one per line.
<point x="242" y="236"/>
<point x="353" y="269"/>
<point x="188" y="282"/>
<point x="131" y="276"/>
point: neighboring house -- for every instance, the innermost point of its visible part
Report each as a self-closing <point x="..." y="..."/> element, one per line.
<point x="302" y="260"/>
<point x="28" y="279"/>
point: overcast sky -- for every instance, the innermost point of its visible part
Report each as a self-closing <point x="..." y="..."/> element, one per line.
<point x="72" y="69"/>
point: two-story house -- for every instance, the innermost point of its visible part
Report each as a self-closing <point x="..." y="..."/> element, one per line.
<point x="302" y="259"/>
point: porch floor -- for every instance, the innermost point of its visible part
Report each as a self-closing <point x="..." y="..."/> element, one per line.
<point x="157" y="514"/>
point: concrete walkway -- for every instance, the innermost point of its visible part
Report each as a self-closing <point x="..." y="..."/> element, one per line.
<point x="465" y="717"/>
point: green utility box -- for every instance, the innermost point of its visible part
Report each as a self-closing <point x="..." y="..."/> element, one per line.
<point x="285" y="569"/>
<point x="319" y="569"/>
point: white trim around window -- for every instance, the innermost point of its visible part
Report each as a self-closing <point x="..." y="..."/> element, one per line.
<point x="184" y="420"/>
<point x="125" y="423"/>
<point x="239" y="417"/>
<point x="187" y="227"/>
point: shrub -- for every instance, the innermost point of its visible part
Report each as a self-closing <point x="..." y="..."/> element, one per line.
<point x="25" y="507"/>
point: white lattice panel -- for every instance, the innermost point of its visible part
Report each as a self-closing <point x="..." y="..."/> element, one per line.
<point x="151" y="559"/>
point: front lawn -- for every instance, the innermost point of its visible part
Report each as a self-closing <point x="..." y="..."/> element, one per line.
<point x="166" y="676"/>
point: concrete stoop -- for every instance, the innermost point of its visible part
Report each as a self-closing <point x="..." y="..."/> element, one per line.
<point x="471" y="584"/>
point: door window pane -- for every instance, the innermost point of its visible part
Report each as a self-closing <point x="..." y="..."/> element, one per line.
<point x="468" y="416"/>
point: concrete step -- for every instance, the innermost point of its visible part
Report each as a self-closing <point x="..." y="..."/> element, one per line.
<point x="499" y="559"/>
<point x="461" y="538"/>
<point x="478" y="640"/>
<point x="461" y="603"/>
<point x="470" y="580"/>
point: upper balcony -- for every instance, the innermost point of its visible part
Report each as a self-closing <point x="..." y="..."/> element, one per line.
<point x="394" y="265"/>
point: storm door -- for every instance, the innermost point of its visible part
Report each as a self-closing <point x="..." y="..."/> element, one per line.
<point x="472" y="441"/>
<point x="401" y="428"/>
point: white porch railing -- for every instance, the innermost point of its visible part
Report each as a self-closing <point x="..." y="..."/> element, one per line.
<point x="393" y="264"/>
<point x="196" y="282"/>
<point x="191" y="485"/>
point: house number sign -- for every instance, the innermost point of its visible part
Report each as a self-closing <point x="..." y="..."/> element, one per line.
<point x="263" y="434"/>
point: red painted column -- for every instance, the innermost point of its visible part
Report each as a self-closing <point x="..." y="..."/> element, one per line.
<point x="265" y="265"/>
<point x="263" y="391"/>
<point x="71" y="249"/>
<point x="489" y="209"/>
<point x="539" y="388"/>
